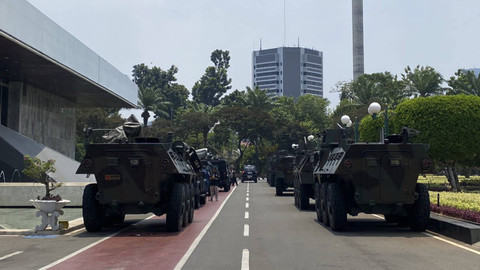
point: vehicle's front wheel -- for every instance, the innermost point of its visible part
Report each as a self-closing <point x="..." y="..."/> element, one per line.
<point x="93" y="212"/>
<point x="279" y="187"/>
<point x="187" y="205"/>
<point x="318" y="207"/>
<point x="323" y="202"/>
<point x="303" y="199"/>
<point x="420" y="212"/>
<point x="176" y="208"/>
<point x="192" y="204"/>
<point x="337" y="210"/>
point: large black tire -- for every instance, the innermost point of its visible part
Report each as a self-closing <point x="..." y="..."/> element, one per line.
<point x="93" y="212"/>
<point x="197" y="201"/>
<point x="337" y="210"/>
<point x="279" y="187"/>
<point x="295" y="196"/>
<point x="420" y="212"/>
<point x="303" y="199"/>
<point x="187" y="204"/>
<point x="203" y="199"/>
<point x="192" y="204"/>
<point x="226" y="188"/>
<point x="323" y="202"/>
<point x="270" y="182"/>
<point x="318" y="207"/>
<point x="176" y="208"/>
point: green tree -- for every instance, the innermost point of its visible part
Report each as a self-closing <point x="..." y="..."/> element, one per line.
<point x="287" y="128"/>
<point x="464" y="83"/>
<point x="355" y="97"/>
<point x="171" y="96"/>
<point x="251" y="125"/>
<point x="198" y="120"/>
<point x="215" y="82"/>
<point x="450" y="124"/>
<point x="257" y="98"/>
<point x="234" y="98"/>
<point x="311" y="111"/>
<point x="423" y="81"/>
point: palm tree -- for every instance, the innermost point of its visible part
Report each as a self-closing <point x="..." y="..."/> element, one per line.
<point x="257" y="98"/>
<point x="464" y="83"/>
<point x="423" y="81"/>
<point x="147" y="100"/>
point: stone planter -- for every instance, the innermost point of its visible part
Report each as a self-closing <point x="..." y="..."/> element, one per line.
<point x="49" y="210"/>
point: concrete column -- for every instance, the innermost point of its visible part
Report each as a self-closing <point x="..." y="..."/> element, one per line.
<point x="357" y="34"/>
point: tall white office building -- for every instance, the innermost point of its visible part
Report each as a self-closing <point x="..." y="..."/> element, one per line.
<point x="288" y="71"/>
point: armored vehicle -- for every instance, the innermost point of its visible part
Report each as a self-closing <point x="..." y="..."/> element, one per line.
<point x="221" y="166"/>
<point x="282" y="172"/>
<point x="271" y="170"/>
<point x="304" y="181"/>
<point x="137" y="176"/>
<point x="374" y="178"/>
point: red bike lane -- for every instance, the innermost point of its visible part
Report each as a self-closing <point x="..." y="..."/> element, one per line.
<point x="147" y="245"/>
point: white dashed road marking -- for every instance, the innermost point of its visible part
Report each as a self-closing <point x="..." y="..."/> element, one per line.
<point x="247" y="215"/>
<point x="245" y="259"/>
<point x="246" y="230"/>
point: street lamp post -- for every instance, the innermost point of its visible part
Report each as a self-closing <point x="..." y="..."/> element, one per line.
<point x="346" y="121"/>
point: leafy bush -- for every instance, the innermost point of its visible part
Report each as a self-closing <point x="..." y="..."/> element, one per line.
<point x="39" y="171"/>
<point x="440" y="183"/>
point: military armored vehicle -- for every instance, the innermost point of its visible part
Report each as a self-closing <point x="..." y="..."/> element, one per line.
<point x="304" y="181"/>
<point x="271" y="170"/>
<point x="221" y="166"/>
<point x="373" y="178"/>
<point x="281" y="172"/>
<point x="136" y="176"/>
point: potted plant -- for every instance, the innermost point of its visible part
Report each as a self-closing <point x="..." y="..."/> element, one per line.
<point x="50" y="205"/>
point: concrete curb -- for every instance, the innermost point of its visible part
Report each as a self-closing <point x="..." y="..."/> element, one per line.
<point x="73" y="225"/>
<point x="457" y="229"/>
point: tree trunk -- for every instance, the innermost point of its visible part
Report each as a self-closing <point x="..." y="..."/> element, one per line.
<point x="240" y="157"/>
<point x="452" y="177"/>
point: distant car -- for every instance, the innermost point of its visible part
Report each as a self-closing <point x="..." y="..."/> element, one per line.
<point x="249" y="173"/>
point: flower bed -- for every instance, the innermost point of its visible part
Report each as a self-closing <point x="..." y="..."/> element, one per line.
<point x="458" y="205"/>
<point x="469" y="215"/>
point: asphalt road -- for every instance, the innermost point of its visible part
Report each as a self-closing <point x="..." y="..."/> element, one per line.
<point x="248" y="228"/>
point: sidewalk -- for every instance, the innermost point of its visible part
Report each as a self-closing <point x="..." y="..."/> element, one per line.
<point x="22" y="221"/>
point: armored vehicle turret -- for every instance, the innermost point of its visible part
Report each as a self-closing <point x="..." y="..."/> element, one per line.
<point x="137" y="176"/>
<point x="374" y="178"/>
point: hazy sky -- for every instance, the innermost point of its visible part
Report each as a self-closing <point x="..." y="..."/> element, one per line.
<point x="440" y="33"/>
